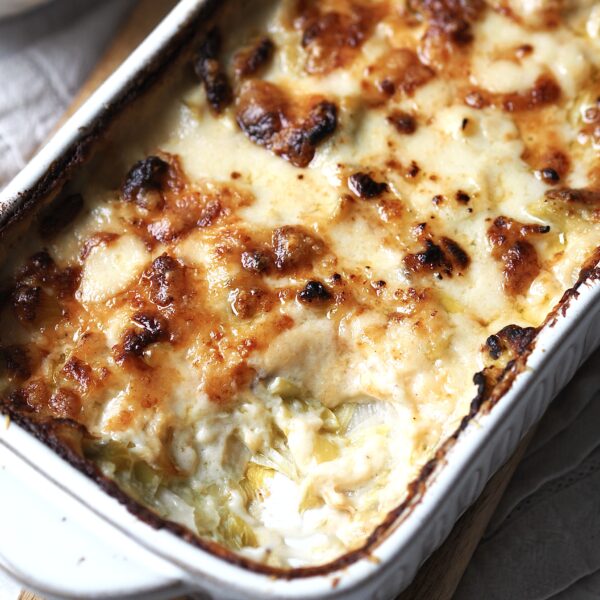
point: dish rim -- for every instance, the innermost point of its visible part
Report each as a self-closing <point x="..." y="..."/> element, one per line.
<point x="71" y="148"/>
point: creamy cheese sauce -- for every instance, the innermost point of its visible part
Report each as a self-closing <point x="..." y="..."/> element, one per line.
<point x="269" y="323"/>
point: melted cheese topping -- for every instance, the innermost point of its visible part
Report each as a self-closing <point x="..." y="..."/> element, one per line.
<point x="270" y="322"/>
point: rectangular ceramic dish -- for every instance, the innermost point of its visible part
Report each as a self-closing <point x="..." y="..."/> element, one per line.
<point x="64" y="536"/>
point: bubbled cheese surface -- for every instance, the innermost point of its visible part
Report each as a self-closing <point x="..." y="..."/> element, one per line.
<point x="217" y="386"/>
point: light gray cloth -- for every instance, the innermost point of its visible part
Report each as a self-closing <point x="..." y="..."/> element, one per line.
<point x="544" y="540"/>
<point x="45" y="55"/>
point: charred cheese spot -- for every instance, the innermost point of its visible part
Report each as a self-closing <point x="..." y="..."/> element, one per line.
<point x="550" y="165"/>
<point x="166" y="278"/>
<point x="255" y="261"/>
<point x="209" y="70"/>
<point x="549" y="175"/>
<point x="450" y="18"/>
<point x="364" y="186"/>
<point x="399" y="70"/>
<point x="333" y="32"/>
<point x="294" y="247"/>
<point x="457" y="256"/>
<point x="209" y="213"/>
<point x="35" y="395"/>
<point x="37" y="297"/>
<point x="289" y="127"/>
<point x="314" y="291"/>
<point x="403" y="122"/>
<point x="462" y="197"/>
<point x="449" y="26"/>
<point x="251" y="60"/>
<point x="446" y="257"/>
<point x="66" y="281"/>
<point x="146" y="175"/>
<point x="544" y="92"/>
<point x="513" y="338"/>
<point x="584" y="197"/>
<point x="511" y="246"/>
<point x="79" y="372"/>
<point x="41" y="285"/>
<point x="150" y="329"/>
<point x="40" y="265"/>
<point x="187" y="206"/>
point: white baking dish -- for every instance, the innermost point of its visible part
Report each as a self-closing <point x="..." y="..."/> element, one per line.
<point x="64" y="536"/>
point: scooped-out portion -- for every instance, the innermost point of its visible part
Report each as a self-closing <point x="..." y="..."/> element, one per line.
<point x="271" y="297"/>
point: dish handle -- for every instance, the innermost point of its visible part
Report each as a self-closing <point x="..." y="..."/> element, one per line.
<point x="54" y="545"/>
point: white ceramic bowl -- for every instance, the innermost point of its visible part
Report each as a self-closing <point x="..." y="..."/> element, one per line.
<point x="65" y="537"/>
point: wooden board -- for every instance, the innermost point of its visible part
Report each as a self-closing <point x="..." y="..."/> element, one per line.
<point x="440" y="575"/>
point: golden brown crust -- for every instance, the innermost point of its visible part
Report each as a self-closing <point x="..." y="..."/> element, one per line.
<point x="399" y="71"/>
<point x="512" y="338"/>
<point x="544" y="92"/>
<point x="166" y="279"/>
<point x="221" y="290"/>
<point x="403" y="122"/>
<point x="79" y="372"/>
<point x="251" y="60"/>
<point x="511" y="246"/>
<point x="587" y="197"/>
<point x="294" y="247"/>
<point x="444" y="258"/>
<point x="209" y="70"/>
<point x="334" y="31"/>
<point x="363" y="185"/>
<point x="448" y="27"/>
<point x="451" y="19"/>
<point x="65" y="404"/>
<point x="291" y="127"/>
<point x="150" y="173"/>
<point x="551" y="164"/>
